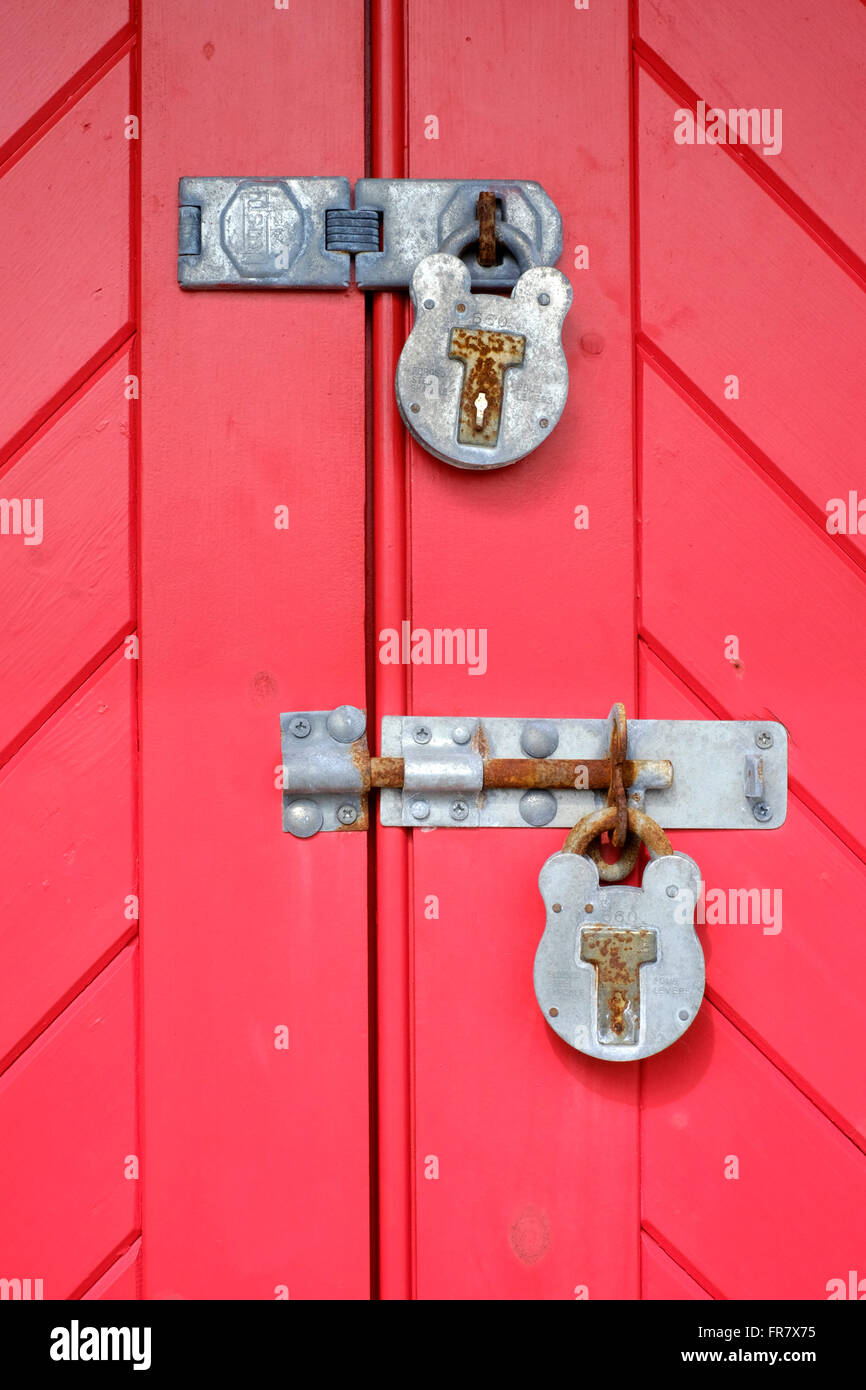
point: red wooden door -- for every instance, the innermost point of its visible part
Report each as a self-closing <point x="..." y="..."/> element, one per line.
<point x="235" y="1064"/>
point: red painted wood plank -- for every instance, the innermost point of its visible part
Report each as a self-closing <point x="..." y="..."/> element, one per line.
<point x="65" y="599"/>
<point x="663" y="1279"/>
<point x="726" y="555"/>
<point x="64" y="272"/>
<point x="793" y="1218"/>
<point x="122" y="1281"/>
<point x="521" y="1125"/>
<point x="66" y="801"/>
<point x="804" y="58"/>
<point x="253" y="401"/>
<point x="50" y="44"/>
<point x="731" y="286"/>
<point x="796" y="998"/>
<point x="67" y="1109"/>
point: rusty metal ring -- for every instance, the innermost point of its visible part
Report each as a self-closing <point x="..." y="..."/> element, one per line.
<point x="511" y="237"/>
<point x="642" y="830"/>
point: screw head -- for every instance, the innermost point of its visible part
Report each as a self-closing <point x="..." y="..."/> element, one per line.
<point x="544" y="299"/>
<point x="346" y="723"/>
<point x="420" y="810"/>
<point x="672" y="890"/>
<point x="461" y="734"/>
<point x="303" y="818"/>
<point x="539" y="738"/>
<point x="422" y="734"/>
<point x="538" y="807"/>
<point x="761" y="811"/>
<point x="459" y="810"/>
<point x="347" y="815"/>
<point x="300" y="727"/>
<point x="764" y="739"/>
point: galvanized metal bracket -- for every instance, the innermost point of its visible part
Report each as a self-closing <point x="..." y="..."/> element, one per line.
<point x="301" y="233"/>
<point x="502" y="772"/>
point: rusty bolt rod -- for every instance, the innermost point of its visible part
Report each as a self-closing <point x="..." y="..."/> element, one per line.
<point x="558" y="773"/>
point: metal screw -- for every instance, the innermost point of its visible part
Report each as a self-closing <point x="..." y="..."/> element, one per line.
<point x="347" y="815"/>
<point x="544" y="299"/>
<point x="414" y="407"/>
<point x="537" y="807"/>
<point x="300" y="727"/>
<point x="761" y="811"/>
<point x="303" y="818"/>
<point x="557" y="907"/>
<point x="459" y="810"/>
<point x="764" y="739"/>
<point x="346" y="723"/>
<point x="544" y="422"/>
<point x="672" y="890"/>
<point x="429" y="304"/>
<point x="421" y="734"/>
<point x="420" y="810"/>
<point x="539" y="738"/>
<point x="461" y="734"/>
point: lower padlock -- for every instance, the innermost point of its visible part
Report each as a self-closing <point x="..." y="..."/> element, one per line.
<point x="619" y="971"/>
<point x="482" y="379"/>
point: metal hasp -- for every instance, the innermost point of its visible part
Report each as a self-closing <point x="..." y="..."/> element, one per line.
<point x="301" y="233"/>
<point x="468" y="772"/>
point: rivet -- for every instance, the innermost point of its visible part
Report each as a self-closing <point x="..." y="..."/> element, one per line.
<point x="429" y="304"/>
<point x="589" y="908"/>
<point x="544" y="299"/>
<point x="300" y="727"/>
<point x="461" y="308"/>
<point x="764" y="739"/>
<point x="672" y="890"/>
<point x="554" y="1013"/>
<point x="761" y="811"/>
<point x="347" y="815"/>
<point x="683" y="1014"/>
<point x="303" y="818"/>
<point x="557" y="907"/>
<point x="414" y="407"/>
<point x="538" y="807"/>
<point x="420" y="810"/>
<point x="539" y="738"/>
<point x="544" y="422"/>
<point x="461" y="734"/>
<point x="346" y="723"/>
<point x="421" y="733"/>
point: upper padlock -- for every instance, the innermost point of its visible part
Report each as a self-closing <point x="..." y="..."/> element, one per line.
<point x="482" y="379"/>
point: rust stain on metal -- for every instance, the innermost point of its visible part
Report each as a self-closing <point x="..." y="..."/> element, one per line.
<point x="485" y="210"/>
<point x="386" y="772"/>
<point x="486" y="355"/>
<point x="360" y="755"/>
<point x="617" y="956"/>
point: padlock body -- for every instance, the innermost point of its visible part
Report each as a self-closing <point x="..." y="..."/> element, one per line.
<point x="482" y="379"/>
<point x="619" y="971"/>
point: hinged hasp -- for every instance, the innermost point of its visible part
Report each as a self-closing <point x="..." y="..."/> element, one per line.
<point x="500" y="772"/>
<point x="302" y="233"/>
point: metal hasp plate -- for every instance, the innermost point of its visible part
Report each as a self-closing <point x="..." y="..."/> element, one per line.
<point x="301" y="233"/>
<point x="727" y="775"/>
<point x="619" y="971"/>
<point x="468" y="772"/>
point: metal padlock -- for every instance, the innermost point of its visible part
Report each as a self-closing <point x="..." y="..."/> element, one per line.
<point x="619" y="971"/>
<point x="482" y="379"/>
